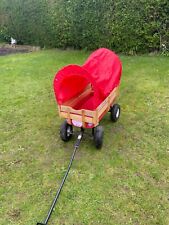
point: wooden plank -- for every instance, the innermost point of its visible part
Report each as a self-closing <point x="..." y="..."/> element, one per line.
<point x="59" y="110"/>
<point x="78" y="112"/>
<point x="68" y="116"/>
<point x="77" y="117"/>
<point x="83" y="117"/>
<point x="74" y="101"/>
<point x="105" y="106"/>
<point x="110" y="97"/>
<point x="97" y="117"/>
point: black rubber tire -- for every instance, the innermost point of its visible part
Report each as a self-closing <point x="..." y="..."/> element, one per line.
<point x="98" y="136"/>
<point x="115" y="112"/>
<point x="66" y="131"/>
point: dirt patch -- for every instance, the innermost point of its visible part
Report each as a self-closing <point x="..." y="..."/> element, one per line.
<point x="14" y="214"/>
<point x="8" y="49"/>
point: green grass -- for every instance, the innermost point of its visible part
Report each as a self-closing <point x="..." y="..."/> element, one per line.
<point x="127" y="182"/>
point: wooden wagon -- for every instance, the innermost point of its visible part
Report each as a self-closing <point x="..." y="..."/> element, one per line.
<point x="86" y="93"/>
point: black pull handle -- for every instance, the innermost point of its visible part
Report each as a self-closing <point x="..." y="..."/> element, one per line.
<point x="79" y="138"/>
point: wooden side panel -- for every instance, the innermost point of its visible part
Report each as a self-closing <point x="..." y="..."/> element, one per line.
<point x="105" y="105"/>
<point x="77" y="117"/>
<point x="78" y="112"/>
<point x="88" y="116"/>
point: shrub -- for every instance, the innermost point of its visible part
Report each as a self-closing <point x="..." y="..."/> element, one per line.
<point x="126" y="26"/>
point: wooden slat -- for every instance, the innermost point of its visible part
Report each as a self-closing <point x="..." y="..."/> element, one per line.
<point x="89" y="116"/>
<point x="77" y="117"/>
<point x="68" y="116"/>
<point x="74" y="101"/>
<point x="108" y="102"/>
<point x="59" y="110"/>
<point x="96" y="117"/>
<point x="83" y="117"/>
<point x="111" y="97"/>
<point x="79" y="112"/>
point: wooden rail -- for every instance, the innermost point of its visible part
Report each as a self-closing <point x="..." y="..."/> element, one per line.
<point x="87" y="116"/>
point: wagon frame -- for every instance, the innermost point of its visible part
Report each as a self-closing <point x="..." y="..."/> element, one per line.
<point x="87" y="116"/>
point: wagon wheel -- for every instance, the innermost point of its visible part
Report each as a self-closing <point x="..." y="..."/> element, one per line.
<point x="115" y="112"/>
<point x="66" y="131"/>
<point x="98" y="136"/>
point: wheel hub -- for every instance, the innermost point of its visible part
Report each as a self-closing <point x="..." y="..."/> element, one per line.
<point x="117" y="113"/>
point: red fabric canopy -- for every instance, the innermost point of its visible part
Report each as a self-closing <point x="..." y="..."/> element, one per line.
<point x="102" y="70"/>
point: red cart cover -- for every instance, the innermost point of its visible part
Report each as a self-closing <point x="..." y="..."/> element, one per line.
<point x="102" y="70"/>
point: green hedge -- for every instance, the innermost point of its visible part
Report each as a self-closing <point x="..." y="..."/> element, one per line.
<point x="126" y="26"/>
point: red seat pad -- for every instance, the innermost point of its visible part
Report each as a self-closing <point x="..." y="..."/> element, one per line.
<point x="102" y="70"/>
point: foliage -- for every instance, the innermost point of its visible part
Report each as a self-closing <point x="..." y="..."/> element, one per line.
<point x="125" y="26"/>
<point x="27" y="21"/>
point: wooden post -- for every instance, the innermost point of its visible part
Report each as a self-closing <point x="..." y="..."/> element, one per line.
<point x="83" y="117"/>
<point x="109" y="103"/>
<point x="96" y="119"/>
<point x="68" y="115"/>
<point x="59" y="110"/>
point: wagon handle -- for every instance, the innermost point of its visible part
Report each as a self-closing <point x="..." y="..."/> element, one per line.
<point x="76" y="146"/>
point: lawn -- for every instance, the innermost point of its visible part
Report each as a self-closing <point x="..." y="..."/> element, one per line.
<point x="127" y="182"/>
